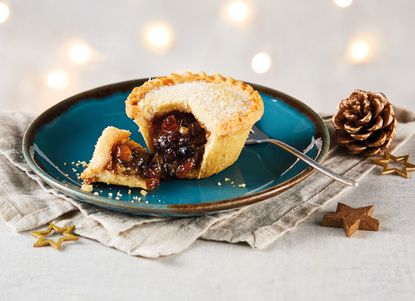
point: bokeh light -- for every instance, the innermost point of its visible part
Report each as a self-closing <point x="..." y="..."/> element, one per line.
<point x="57" y="79"/>
<point x="158" y="36"/>
<point x="237" y="11"/>
<point x="4" y="12"/>
<point x="343" y="3"/>
<point x="79" y="52"/>
<point x="261" y="62"/>
<point x="360" y="51"/>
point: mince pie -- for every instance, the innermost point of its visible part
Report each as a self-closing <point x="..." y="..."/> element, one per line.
<point x="121" y="161"/>
<point x="195" y="125"/>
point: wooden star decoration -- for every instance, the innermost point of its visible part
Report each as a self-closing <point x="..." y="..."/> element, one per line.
<point x="388" y="158"/>
<point x="351" y="219"/>
<point x="67" y="235"/>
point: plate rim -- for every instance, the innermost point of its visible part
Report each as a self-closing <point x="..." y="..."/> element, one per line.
<point x="166" y="209"/>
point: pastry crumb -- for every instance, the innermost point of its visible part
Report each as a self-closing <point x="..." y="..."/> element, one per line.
<point x="117" y="198"/>
<point x="64" y="163"/>
<point x="84" y="164"/>
<point x="87" y="187"/>
<point x="110" y="194"/>
<point x="243" y="185"/>
<point x="227" y="179"/>
<point x="136" y="198"/>
<point x="74" y="169"/>
<point x="96" y="193"/>
<point x="219" y="184"/>
<point x="129" y="191"/>
<point x="143" y="192"/>
<point x="232" y="182"/>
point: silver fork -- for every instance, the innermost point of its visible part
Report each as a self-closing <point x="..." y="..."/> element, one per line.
<point x="257" y="136"/>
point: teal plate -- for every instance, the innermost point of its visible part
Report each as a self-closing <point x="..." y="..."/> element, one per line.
<point x="66" y="134"/>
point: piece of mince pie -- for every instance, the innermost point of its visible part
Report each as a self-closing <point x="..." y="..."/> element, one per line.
<point x="119" y="160"/>
<point x="195" y="125"/>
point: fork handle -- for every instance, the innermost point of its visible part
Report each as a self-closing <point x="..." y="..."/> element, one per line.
<point x="310" y="161"/>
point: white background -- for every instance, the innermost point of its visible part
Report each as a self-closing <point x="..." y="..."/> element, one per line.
<point x="307" y="40"/>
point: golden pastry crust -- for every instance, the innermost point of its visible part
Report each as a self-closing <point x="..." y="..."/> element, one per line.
<point x="226" y="108"/>
<point x="97" y="170"/>
<point x="237" y="121"/>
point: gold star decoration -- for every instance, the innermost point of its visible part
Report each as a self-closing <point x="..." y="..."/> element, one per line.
<point x="67" y="235"/>
<point x="388" y="158"/>
<point x="351" y="219"/>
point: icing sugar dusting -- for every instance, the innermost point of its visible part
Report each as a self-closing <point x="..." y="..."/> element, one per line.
<point x="221" y="100"/>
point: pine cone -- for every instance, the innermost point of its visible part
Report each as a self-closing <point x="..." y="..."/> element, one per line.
<point x="365" y="123"/>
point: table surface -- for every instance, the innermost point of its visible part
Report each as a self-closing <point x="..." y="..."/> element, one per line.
<point x="310" y="263"/>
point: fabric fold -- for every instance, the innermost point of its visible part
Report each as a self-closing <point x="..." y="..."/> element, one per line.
<point x="26" y="203"/>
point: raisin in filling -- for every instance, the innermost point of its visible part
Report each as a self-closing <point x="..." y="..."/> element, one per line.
<point x="130" y="160"/>
<point x="179" y="143"/>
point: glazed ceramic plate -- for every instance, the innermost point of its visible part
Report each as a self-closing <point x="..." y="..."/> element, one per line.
<point x="65" y="135"/>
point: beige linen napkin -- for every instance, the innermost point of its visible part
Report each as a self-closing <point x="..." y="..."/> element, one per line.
<point x="27" y="203"/>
